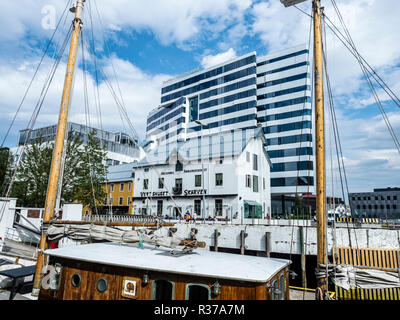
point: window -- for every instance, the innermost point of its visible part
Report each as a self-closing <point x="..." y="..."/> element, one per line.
<point x="159" y="207"/>
<point x="197" y="206"/>
<point x="112" y="187"/>
<point x="388" y="197"/>
<point x="218" y="179"/>
<point x="198" y="292"/>
<point x="146" y="184"/>
<point x="110" y="201"/>
<point x="178" y="186"/>
<point x="178" y="166"/>
<point x="255" y="162"/>
<point x="275" y="290"/>
<point x="248" y="156"/>
<point x="121" y="187"/>
<point x="282" y="286"/>
<point x="129" y="201"/>
<point x="264" y="185"/>
<point x="160" y="183"/>
<point x="194" y="109"/>
<point x="248" y="181"/>
<point x="121" y="201"/>
<point x="218" y="207"/>
<point x="255" y="183"/>
<point x="129" y="186"/>
<point x="394" y="197"/>
<point x="162" y="290"/>
<point x="146" y="170"/>
<point x="197" y="180"/>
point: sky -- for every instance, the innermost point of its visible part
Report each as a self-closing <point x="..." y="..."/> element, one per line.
<point x="145" y="43"/>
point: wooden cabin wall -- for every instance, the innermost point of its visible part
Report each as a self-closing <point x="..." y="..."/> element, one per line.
<point x="90" y="273"/>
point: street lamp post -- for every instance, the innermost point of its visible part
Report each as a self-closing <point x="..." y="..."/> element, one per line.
<point x="202" y="170"/>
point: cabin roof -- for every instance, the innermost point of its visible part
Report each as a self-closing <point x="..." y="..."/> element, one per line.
<point x="201" y="262"/>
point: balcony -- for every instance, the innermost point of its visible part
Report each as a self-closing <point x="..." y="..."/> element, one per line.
<point x="177" y="190"/>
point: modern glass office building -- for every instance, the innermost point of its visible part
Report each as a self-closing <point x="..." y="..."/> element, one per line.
<point x="120" y="147"/>
<point x="272" y="91"/>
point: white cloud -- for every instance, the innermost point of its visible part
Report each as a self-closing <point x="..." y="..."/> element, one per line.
<point x="140" y="92"/>
<point x="172" y="21"/>
<point x="212" y="60"/>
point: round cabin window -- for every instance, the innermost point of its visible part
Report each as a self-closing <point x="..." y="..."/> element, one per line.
<point x="102" y="285"/>
<point x="76" y="280"/>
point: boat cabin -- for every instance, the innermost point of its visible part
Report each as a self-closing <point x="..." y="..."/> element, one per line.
<point x="116" y="271"/>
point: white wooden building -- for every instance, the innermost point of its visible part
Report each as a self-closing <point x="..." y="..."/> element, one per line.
<point x="236" y="170"/>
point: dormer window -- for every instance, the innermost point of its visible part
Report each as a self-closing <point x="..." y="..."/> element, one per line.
<point x="178" y="166"/>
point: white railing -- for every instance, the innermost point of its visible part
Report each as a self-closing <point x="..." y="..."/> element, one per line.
<point x="120" y="218"/>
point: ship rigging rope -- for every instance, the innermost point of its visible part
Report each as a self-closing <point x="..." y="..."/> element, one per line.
<point x="88" y="122"/>
<point x="300" y="152"/>
<point x="119" y="100"/>
<point x="367" y="70"/>
<point x="34" y="116"/>
<point x="350" y="47"/>
<point x="339" y="152"/>
<point x="37" y="70"/>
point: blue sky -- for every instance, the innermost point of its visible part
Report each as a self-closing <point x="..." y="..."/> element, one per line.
<point x="151" y="44"/>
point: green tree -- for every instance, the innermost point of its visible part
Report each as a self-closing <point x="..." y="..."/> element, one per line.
<point x="82" y="166"/>
<point x="5" y="169"/>
<point x="32" y="177"/>
<point x="92" y="175"/>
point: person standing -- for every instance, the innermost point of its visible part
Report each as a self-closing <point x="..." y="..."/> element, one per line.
<point x="194" y="217"/>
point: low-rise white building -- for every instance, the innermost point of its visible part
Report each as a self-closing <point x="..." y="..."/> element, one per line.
<point x="227" y="174"/>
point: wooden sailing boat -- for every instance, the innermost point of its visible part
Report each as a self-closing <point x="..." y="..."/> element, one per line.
<point x="120" y="271"/>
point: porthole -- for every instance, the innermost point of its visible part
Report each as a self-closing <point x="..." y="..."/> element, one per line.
<point x="76" y="280"/>
<point x="102" y="285"/>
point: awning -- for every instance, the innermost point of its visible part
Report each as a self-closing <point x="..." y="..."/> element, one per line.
<point x="252" y="203"/>
<point x="252" y="209"/>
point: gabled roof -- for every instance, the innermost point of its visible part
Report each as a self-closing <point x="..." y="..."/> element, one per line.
<point x="223" y="145"/>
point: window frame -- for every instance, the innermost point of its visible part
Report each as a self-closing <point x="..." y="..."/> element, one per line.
<point x="153" y="288"/>
<point x="188" y="285"/>
<point x="198" y="176"/>
<point x="217" y="180"/>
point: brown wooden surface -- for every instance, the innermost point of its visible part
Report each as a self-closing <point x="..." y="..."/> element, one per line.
<point x="90" y="273"/>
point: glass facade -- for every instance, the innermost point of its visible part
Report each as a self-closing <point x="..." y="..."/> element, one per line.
<point x="292" y="181"/>
<point x="285" y="115"/>
<point x="283" y="92"/>
<point x="209" y="74"/>
<point x="290" y="152"/>
<point x="283" y="80"/>
<point x="292" y="166"/>
<point x="194" y="109"/>
<point x="288" y="127"/>
<point x="284" y="103"/>
<point x="210" y="84"/>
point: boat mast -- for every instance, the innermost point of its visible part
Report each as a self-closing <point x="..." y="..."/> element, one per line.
<point x="59" y="141"/>
<point x="322" y="284"/>
<point x="319" y="145"/>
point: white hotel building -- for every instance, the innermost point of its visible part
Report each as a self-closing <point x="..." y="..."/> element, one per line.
<point x="272" y="91"/>
<point x="230" y="172"/>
